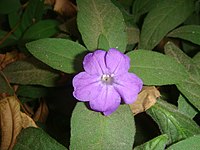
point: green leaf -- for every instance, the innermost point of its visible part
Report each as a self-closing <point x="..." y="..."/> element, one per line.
<point x="60" y="54"/>
<point x="172" y="122"/>
<point x="192" y="143"/>
<point x="126" y="4"/>
<point x="141" y="7"/>
<point x="7" y="6"/>
<point x="10" y="40"/>
<point x="155" y="68"/>
<point x="185" y="106"/>
<point x="101" y="17"/>
<point x="190" y="87"/>
<point x="167" y="15"/>
<point x="32" y="13"/>
<point x="193" y="19"/>
<point x="189" y="32"/>
<point x="41" y="29"/>
<point x="31" y="72"/>
<point x="124" y="7"/>
<point x="158" y="143"/>
<point x="172" y="50"/>
<point x="93" y="131"/>
<point x="36" y="139"/>
<point x="103" y="42"/>
<point x="196" y="60"/>
<point x="14" y="19"/>
<point x="33" y="91"/>
<point x="5" y="86"/>
<point x="133" y="34"/>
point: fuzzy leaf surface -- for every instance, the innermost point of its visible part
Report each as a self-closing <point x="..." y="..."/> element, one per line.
<point x="190" y="87"/>
<point x="155" y="68"/>
<point x="189" y="32"/>
<point x="172" y="122"/>
<point x="158" y="143"/>
<point x="31" y="72"/>
<point x="162" y="19"/>
<point x="93" y="131"/>
<point x="36" y="139"/>
<point x="60" y="54"/>
<point x="101" y="17"/>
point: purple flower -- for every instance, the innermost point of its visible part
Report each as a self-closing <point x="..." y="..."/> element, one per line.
<point x="106" y="80"/>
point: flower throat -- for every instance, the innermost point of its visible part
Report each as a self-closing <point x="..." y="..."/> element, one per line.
<point x="107" y="79"/>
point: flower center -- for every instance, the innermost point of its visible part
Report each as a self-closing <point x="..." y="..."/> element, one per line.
<point x="107" y="79"/>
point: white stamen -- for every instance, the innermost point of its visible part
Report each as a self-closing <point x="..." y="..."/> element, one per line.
<point x="106" y="78"/>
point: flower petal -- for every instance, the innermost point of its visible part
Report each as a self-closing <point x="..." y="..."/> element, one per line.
<point x="94" y="63"/>
<point x="128" y="86"/>
<point x="86" y="86"/>
<point x="117" y="62"/>
<point x="107" y="100"/>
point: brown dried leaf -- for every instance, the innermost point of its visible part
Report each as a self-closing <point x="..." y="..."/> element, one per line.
<point x="49" y="2"/>
<point x="1" y="58"/>
<point x="16" y="117"/>
<point x="27" y="121"/>
<point x="63" y="7"/>
<point x="145" y="100"/>
<point x="6" y="124"/>
<point x="11" y="122"/>
<point x="42" y="112"/>
<point x="10" y="57"/>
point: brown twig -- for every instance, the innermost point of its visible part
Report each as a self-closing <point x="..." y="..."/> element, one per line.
<point x="9" y="33"/>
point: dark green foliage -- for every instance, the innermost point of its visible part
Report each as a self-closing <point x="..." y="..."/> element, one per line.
<point x="162" y="39"/>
